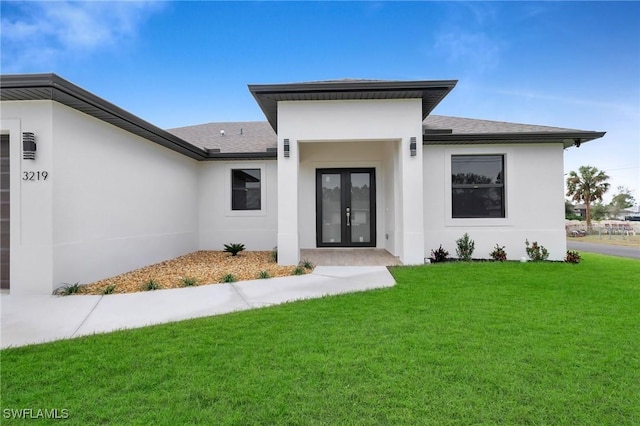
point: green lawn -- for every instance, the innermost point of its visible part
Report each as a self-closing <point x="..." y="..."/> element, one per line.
<point x="478" y="343"/>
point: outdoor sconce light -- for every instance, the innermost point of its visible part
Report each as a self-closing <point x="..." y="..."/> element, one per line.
<point x="286" y="148"/>
<point x="412" y="147"/>
<point x="576" y="142"/>
<point x="28" y="146"/>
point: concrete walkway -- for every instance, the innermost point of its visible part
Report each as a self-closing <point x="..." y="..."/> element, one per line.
<point x="38" y="319"/>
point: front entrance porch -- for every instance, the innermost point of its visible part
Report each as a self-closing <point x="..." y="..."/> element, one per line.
<point x="349" y="257"/>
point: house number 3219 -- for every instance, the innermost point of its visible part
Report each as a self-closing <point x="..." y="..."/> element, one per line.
<point x="40" y="175"/>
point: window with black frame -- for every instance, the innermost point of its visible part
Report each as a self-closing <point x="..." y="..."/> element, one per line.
<point x="245" y="189"/>
<point x="477" y="186"/>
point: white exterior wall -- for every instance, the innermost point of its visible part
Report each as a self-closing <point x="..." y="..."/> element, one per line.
<point x="345" y="122"/>
<point x="113" y="201"/>
<point x="219" y="225"/>
<point x="534" y="201"/>
<point x="31" y="228"/>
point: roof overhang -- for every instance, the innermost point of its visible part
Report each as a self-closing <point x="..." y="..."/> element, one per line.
<point x="52" y="87"/>
<point x="213" y="155"/>
<point x="430" y="92"/>
<point x="566" y="138"/>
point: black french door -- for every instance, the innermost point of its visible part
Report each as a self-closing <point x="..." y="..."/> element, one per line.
<point x="346" y="207"/>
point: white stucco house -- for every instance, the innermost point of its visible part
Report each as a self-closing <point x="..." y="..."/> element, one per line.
<point x="90" y="190"/>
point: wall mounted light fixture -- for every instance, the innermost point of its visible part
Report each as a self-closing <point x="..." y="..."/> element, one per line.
<point x="286" y="148"/>
<point x="412" y="147"/>
<point x="28" y="146"/>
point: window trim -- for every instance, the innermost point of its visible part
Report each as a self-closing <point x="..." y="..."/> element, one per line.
<point x="228" y="190"/>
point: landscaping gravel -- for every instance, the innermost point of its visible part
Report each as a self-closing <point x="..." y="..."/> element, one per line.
<point x="206" y="267"/>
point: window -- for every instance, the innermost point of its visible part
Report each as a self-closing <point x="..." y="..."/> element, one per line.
<point x="246" y="193"/>
<point x="477" y="186"/>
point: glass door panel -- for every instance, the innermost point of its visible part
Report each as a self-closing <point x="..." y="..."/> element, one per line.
<point x="360" y="208"/>
<point x="331" y="207"/>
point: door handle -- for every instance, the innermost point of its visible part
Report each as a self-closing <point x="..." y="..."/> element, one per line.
<point x="348" y="216"/>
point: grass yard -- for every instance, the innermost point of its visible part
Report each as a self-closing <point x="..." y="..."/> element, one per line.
<point x="477" y="343"/>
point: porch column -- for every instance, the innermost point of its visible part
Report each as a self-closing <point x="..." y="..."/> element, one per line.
<point x="288" y="174"/>
<point x="412" y="207"/>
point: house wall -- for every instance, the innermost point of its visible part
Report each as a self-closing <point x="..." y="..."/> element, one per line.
<point x="345" y="122"/>
<point x="534" y="189"/>
<point x="219" y="225"/>
<point x="113" y="201"/>
<point x="31" y="228"/>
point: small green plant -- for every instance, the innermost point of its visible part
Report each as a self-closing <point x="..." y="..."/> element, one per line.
<point x="306" y="264"/>
<point x="189" y="281"/>
<point x="536" y="253"/>
<point x="233" y="248"/>
<point x="465" y="247"/>
<point x="110" y="289"/>
<point x="264" y="275"/>
<point x="299" y="270"/>
<point x="229" y="278"/>
<point x="572" y="257"/>
<point x="67" y="289"/>
<point x="151" y="285"/>
<point x="498" y="253"/>
<point x="274" y="254"/>
<point x="439" y="255"/>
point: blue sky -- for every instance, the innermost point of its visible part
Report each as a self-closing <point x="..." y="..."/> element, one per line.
<point x="573" y="64"/>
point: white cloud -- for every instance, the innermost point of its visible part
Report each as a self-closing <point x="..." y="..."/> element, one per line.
<point x="37" y="35"/>
<point x="473" y="49"/>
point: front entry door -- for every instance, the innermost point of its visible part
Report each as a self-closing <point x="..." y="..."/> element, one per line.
<point x="345" y="208"/>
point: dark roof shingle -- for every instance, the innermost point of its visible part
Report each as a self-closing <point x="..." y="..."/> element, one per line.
<point x="241" y="136"/>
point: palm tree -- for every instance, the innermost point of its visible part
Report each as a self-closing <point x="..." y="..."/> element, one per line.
<point x="586" y="187"/>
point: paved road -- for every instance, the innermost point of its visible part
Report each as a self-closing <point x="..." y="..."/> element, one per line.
<point x="610" y="249"/>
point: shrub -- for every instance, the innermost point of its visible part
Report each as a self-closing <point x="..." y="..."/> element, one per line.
<point x="110" y="289"/>
<point x="536" y="253"/>
<point x="306" y="264"/>
<point x="233" y="248"/>
<point x="572" y="257"/>
<point x="229" y="278"/>
<point x="465" y="247"/>
<point x="439" y="255"/>
<point x="498" y="253"/>
<point x="299" y="270"/>
<point x="264" y="275"/>
<point x="67" y="289"/>
<point x="188" y="281"/>
<point x="151" y="285"/>
<point x="274" y="254"/>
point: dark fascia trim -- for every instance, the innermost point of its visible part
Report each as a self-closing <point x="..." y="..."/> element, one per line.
<point x="566" y="138"/>
<point x="219" y="156"/>
<point x="58" y="89"/>
<point x="266" y="95"/>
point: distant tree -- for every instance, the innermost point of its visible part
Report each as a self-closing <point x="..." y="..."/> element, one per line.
<point x="587" y="186"/>
<point x="599" y="211"/>
<point x="622" y="200"/>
